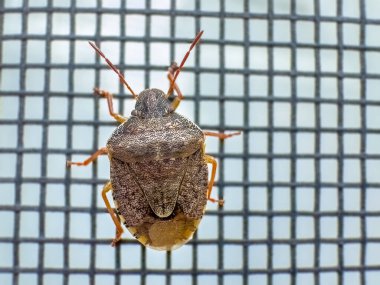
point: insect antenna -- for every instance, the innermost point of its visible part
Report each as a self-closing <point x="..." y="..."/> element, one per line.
<point x="113" y="67"/>
<point x="195" y="41"/>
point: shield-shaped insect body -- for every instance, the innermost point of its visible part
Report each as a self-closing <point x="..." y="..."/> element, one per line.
<point x="158" y="173"/>
<point x="158" y="167"/>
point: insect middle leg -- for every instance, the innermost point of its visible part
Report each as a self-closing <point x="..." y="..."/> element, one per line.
<point x="212" y="160"/>
<point x="109" y="98"/>
<point x="172" y="69"/>
<point x="119" y="229"/>
<point x="221" y="136"/>
<point x="92" y="158"/>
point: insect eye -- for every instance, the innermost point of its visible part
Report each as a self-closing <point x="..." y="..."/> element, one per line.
<point x="134" y="113"/>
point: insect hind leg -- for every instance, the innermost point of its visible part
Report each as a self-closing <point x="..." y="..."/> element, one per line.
<point x="212" y="160"/>
<point x="119" y="229"/>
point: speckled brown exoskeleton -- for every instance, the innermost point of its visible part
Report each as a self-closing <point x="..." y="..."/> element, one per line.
<point x="159" y="173"/>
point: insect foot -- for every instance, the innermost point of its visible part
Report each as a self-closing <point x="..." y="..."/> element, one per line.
<point x="220" y="202"/>
<point x="173" y="68"/>
<point x="70" y="163"/>
<point x="116" y="239"/>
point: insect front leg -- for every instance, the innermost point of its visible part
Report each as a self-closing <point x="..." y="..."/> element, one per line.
<point x="109" y="98"/>
<point x="119" y="229"/>
<point x="172" y="69"/>
<point x="92" y="158"/>
<point x="212" y="160"/>
<point x="221" y="136"/>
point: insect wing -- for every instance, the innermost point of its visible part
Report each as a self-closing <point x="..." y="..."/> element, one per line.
<point x="160" y="180"/>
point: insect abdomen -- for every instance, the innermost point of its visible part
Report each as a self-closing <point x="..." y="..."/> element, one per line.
<point x="151" y="230"/>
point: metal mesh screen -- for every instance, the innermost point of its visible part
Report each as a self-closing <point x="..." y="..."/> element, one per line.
<point x="300" y="79"/>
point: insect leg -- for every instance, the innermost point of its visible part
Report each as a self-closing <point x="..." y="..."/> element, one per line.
<point x="119" y="229"/>
<point x="109" y="98"/>
<point x="171" y="70"/>
<point x="94" y="156"/>
<point x="222" y="136"/>
<point x="210" y="159"/>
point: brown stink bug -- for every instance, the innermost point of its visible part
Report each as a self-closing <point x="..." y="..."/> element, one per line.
<point x="159" y="172"/>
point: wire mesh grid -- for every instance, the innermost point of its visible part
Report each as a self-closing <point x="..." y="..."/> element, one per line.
<point x="298" y="78"/>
